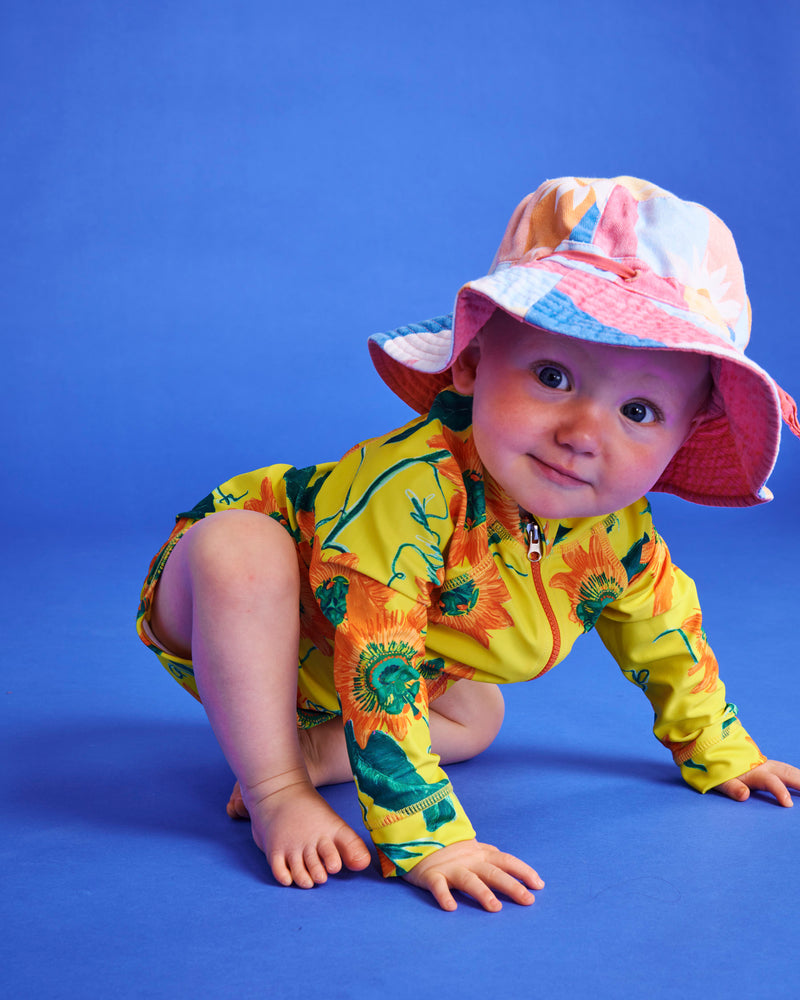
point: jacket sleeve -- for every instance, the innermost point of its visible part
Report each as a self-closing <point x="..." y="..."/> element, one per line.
<point x="376" y="559"/>
<point x="655" y="633"/>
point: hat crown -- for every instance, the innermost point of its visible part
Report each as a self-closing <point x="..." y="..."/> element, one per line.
<point x="686" y="253"/>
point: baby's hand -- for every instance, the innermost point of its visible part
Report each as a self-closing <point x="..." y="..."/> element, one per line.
<point x="475" y="869"/>
<point x="773" y="777"/>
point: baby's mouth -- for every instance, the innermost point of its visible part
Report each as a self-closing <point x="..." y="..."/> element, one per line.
<point x="558" y="474"/>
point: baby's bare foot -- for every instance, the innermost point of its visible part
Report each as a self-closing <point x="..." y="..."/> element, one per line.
<point x="303" y="839"/>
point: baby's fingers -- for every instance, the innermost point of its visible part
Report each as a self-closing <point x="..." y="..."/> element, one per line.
<point x="477" y="886"/>
<point x="481" y="884"/>
<point x="768" y="781"/>
<point x="477" y="870"/>
<point x="772" y="777"/>
<point x="437" y="885"/>
<point x="507" y="863"/>
<point x="734" y="789"/>
<point x="488" y="879"/>
<point x="787" y="776"/>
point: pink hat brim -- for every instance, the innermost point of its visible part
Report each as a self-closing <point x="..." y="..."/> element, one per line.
<point x="728" y="459"/>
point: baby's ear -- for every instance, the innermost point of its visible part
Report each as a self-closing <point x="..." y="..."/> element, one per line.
<point x="465" y="367"/>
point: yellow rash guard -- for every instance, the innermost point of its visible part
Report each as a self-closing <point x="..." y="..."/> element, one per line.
<point x="416" y="571"/>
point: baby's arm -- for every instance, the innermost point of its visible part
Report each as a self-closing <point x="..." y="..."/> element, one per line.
<point x="774" y="777"/>
<point x="475" y="869"/>
<point x="418" y="825"/>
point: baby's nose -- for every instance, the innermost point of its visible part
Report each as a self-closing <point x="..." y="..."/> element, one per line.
<point x="580" y="427"/>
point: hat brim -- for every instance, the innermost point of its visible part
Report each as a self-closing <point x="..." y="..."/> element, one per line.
<point x="728" y="459"/>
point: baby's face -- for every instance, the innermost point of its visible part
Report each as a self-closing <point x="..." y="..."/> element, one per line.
<point x="570" y="428"/>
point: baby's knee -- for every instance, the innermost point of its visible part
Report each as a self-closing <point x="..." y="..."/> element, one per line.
<point x="241" y="546"/>
<point x="477" y="707"/>
<point x="493" y="710"/>
<point x="482" y="717"/>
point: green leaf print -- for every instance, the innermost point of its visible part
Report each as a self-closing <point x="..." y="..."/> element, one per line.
<point x="640" y="678"/>
<point x="298" y="492"/>
<point x="561" y="533"/>
<point x="453" y="410"/>
<point x="384" y="772"/>
<point x="205" y="506"/>
<point x="332" y="599"/>
<point x="403" y="852"/>
<point x="693" y="766"/>
<point x="460" y="600"/>
<point x="632" y="560"/>
<point x="432" y="556"/>
<point x="476" y="499"/>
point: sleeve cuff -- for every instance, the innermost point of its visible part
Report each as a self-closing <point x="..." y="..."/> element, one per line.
<point x="708" y="762"/>
<point x="406" y="836"/>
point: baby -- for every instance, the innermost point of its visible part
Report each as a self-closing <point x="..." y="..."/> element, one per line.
<point x="601" y="358"/>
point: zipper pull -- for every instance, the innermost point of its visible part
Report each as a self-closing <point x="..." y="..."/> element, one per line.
<point x="535" y="551"/>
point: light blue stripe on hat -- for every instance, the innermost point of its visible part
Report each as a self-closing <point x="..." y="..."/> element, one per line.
<point x="585" y="230"/>
<point x="436" y="325"/>
<point x="557" y="312"/>
<point x="513" y="288"/>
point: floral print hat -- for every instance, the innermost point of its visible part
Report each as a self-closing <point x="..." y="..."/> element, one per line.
<point x="621" y="261"/>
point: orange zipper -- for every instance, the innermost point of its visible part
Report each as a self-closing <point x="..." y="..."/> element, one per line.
<point x="535" y="553"/>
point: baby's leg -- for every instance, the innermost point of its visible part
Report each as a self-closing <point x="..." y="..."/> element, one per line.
<point x="464" y="721"/>
<point x="229" y="597"/>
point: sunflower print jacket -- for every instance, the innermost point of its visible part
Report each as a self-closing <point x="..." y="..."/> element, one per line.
<point x="417" y="571"/>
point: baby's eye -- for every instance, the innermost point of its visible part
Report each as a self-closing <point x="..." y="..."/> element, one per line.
<point x="640" y="413"/>
<point x="552" y="377"/>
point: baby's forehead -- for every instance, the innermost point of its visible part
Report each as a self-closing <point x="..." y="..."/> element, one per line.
<point x="658" y="363"/>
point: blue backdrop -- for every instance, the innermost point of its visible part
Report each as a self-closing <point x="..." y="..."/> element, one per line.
<point x="206" y="209"/>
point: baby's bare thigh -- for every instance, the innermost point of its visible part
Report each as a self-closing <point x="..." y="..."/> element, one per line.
<point x="224" y="550"/>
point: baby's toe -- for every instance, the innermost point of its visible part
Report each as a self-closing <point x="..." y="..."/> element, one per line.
<point x="352" y="850"/>
<point x="280" y="869"/>
<point x="236" y="808"/>
<point x="329" y="856"/>
<point x="314" y="866"/>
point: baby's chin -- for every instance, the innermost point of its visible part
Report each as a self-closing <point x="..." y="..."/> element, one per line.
<point x="548" y="508"/>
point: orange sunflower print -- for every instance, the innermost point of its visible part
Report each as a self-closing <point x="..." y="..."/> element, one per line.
<point x="343" y="593"/>
<point x="655" y="554"/>
<point x="694" y="637"/>
<point x="315" y="625"/>
<point x="472" y="603"/>
<point x="377" y="677"/>
<point x="267" y="504"/>
<point x="438" y="677"/>
<point x="467" y="506"/>
<point x="596" y="579"/>
<point x="504" y="509"/>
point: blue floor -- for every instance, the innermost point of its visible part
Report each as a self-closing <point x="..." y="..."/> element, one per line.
<point x="123" y="876"/>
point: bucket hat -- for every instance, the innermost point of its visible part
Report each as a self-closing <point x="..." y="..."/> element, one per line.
<point x="621" y="261"/>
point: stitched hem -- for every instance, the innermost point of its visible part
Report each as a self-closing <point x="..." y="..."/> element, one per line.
<point x="417" y="807"/>
<point x="681" y="756"/>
